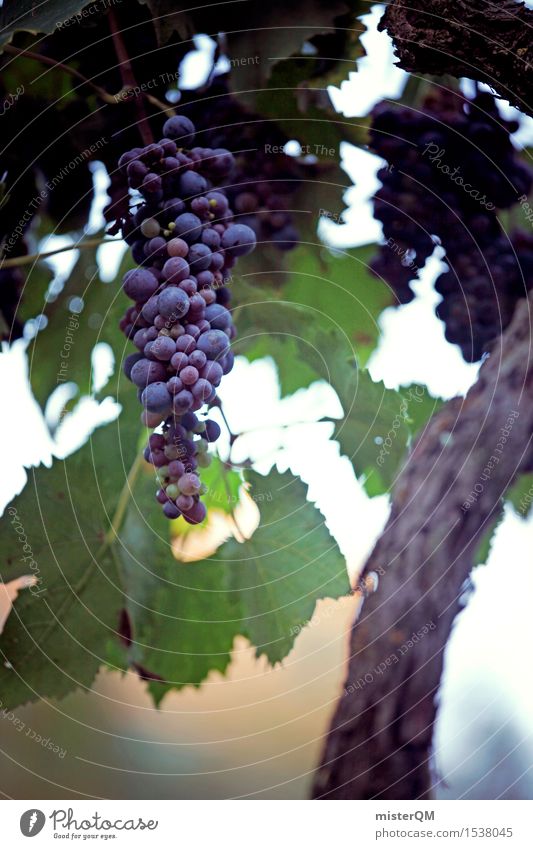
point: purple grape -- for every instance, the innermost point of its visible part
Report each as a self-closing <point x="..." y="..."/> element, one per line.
<point x="173" y="301"/>
<point x="218" y="316"/>
<point x="189" y="484"/>
<point x="185" y="502"/>
<point x="181" y="129"/>
<point x="212" y="372"/>
<point x="155" y="456"/>
<point x="189" y="375"/>
<point x="156" y="398"/>
<point x="151" y="184"/>
<point x="163" y="348"/>
<point x="212" y="430"/>
<point x="179" y="360"/>
<point x="156" y="440"/>
<point x="176" y="469"/>
<point x="238" y="240"/>
<point x="139" y="284"/>
<point x="189" y="287"/>
<point x="196" y="514"/>
<point x="202" y="389"/>
<point x="214" y="344"/>
<point x="174" y="385"/>
<point x="129" y="362"/>
<point x="176" y="269"/>
<point x="221" y="162"/>
<point x="205" y="278"/>
<point x="218" y="203"/>
<point x="150" y="309"/>
<point x="189" y="421"/>
<point x="171" y="511"/>
<point x="156" y="248"/>
<point x="211" y="238"/>
<point x="145" y="372"/>
<point x="199" y="257"/>
<point x="174" y="207"/>
<point x="188" y="227"/>
<point x="183" y="401"/>
<point x="186" y="343"/>
<point x="191" y="183"/>
<point x="197" y="359"/>
<point x="227" y="362"/>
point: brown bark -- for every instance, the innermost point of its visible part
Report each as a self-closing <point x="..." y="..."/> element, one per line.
<point x="491" y="42"/>
<point x="379" y="743"/>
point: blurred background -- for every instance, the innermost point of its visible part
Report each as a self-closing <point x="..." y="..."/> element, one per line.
<point x="257" y="732"/>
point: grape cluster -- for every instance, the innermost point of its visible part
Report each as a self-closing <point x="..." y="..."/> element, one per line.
<point x="451" y="167"/>
<point x="185" y="242"/>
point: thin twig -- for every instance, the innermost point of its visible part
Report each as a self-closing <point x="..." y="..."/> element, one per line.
<point x="123" y="501"/>
<point x="47" y="60"/>
<point x="14" y="262"/>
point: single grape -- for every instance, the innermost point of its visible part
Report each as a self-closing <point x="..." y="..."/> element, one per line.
<point x="173" y="302"/>
<point x="129" y="362"/>
<point x="189" y="375"/>
<point x="163" y="348"/>
<point x="238" y="240"/>
<point x="156" y="398"/>
<point x="188" y="227"/>
<point x="171" y="511"/>
<point x="145" y="372"/>
<point x="139" y="284"/>
<point x="181" y="129"/>
<point x="150" y="228"/>
<point x="212" y="430"/>
<point x="214" y="344"/>
<point x="189" y="484"/>
<point x="176" y="269"/>
<point x="196" y="514"/>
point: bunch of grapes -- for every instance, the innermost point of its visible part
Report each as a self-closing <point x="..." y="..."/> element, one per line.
<point x="185" y="241"/>
<point x="451" y="167"/>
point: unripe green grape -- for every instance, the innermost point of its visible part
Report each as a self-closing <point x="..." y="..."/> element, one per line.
<point x="172" y="491"/>
<point x="150" y="228"/>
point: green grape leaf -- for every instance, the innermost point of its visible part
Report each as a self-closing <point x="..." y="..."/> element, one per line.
<point x="520" y="495"/>
<point x="420" y="406"/>
<point x="486" y="541"/>
<point x="16" y="15"/>
<point x="37" y="278"/>
<point x="322" y="290"/>
<point x="62" y="351"/>
<point x="186" y="616"/>
<point x="223" y="486"/>
<point x="56" y="638"/>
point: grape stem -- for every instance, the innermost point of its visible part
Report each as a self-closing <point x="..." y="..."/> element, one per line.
<point x="128" y="77"/>
<point x="232" y="436"/>
<point x="123" y="501"/>
<point x="14" y="262"/>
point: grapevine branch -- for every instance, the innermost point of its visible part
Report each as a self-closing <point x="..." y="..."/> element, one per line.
<point x="379" y="743"/>
<point x="128" y="77"/>
<point x="104" y="95"/>
<point x="28" y="259"/>
<point x="486" y="41"/>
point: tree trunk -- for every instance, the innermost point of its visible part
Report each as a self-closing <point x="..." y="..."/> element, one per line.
<point x="485" y="41"/>
<point x="446" y="497"/>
